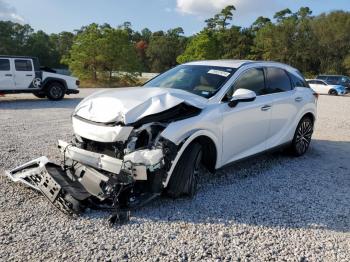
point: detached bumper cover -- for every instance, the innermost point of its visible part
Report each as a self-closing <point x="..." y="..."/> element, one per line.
<point x="53" y="183"/>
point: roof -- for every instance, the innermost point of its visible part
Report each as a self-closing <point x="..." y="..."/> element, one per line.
<point x="238" y="63"/>
<point x="18" y="56"/>
<point x="224" y="63"/>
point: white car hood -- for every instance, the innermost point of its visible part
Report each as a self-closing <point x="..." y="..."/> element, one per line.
<point x="128" y="105"/>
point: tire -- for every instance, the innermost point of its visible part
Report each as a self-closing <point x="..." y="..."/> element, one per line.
<point x="333" y="92"/>
<point x="40" y="95"/>
<point x="183" y="181"/>
<point x="302" y="137"/>
<point x="55" y="91"/>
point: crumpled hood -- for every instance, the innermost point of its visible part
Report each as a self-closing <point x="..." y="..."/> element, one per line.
<point x="128" y="105"/>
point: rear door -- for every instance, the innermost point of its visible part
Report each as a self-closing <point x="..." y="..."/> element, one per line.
<point x="6" y="75"/>
<point x="287" y="102"/>
<point x="24" y="73"/>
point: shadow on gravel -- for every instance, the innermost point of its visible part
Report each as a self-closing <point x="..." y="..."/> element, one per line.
<point x="38" y="103"/>
<point x="272" y="190"/>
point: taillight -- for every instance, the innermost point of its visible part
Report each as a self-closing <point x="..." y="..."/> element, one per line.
<point x="77" y="82"/>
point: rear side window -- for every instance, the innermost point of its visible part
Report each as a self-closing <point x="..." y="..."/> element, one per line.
<point x="23" y="65"/>
<point x="4" y="65"/>
<point x="299" y="82"/>
<point x="278" y="80"/>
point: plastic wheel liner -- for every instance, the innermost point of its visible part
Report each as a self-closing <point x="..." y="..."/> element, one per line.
<point x="89" y="179"/>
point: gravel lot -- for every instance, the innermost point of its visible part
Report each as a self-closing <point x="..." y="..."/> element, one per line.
<point x="273" y="207"/>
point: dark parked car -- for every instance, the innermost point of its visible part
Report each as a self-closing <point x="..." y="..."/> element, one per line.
<point x="336" y="80"/>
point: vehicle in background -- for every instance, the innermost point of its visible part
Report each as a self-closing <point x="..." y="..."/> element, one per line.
<point x="23" y="74"/>
<point x="336" y="80"/>
<point x="324" y="88"/>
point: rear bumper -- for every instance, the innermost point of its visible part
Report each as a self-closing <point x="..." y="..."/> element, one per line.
<point x="72" y="91"/>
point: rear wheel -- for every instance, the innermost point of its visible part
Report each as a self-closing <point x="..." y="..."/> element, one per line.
<point x="185" y="176"/>
<point x="333" y="92"/>
<point x="55" y="91"/>
<point x="302" y="137"/>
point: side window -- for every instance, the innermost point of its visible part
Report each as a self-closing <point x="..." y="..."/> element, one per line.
<point x="23" y="65"/>
<point x="321" y="83"/>
<point x="4" y="65"/>
<point x="278" y="80"/>
<point x="300" y="82"/>
<point x="252" y="79"/>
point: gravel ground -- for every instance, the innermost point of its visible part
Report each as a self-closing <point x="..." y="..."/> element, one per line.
<point x="273" y="207"/>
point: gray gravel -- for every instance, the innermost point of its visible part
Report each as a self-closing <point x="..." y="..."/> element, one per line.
<point x="273" y="207"/>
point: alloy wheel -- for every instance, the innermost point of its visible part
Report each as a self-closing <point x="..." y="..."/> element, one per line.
<point x="303" y="137"/>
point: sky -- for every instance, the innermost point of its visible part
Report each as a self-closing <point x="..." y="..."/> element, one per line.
<point x="53" y="16"/>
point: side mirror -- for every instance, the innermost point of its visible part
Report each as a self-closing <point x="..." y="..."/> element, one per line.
<point x="241" y="95"/>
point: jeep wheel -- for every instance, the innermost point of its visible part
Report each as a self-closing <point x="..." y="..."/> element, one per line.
<point x="185" y="176"/>
<point x="55" y="91"/>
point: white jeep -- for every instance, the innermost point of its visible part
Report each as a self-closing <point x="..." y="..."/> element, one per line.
<point x="19" y="74"/>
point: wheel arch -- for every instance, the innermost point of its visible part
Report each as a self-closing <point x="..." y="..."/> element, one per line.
<point x="310" y="115"/>
<point x="211" y="153"/>
<point x="50" y="80"/>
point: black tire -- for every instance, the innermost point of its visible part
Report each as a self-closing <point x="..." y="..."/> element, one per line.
<point x="183" y="181"/>
<point x="39" y="95"/>
<point x="55" y="91"/>
<point x="302" y="137"/>
<point x="333" y="92"/>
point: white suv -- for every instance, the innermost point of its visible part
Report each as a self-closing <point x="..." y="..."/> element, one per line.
<point x="132" y="142"/>
<point x="24" y="75"/>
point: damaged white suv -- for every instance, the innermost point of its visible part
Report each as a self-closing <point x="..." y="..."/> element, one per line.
<point x="132" y="144"/>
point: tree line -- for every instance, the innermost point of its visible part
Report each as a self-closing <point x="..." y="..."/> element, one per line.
<point x="313" y="44"/>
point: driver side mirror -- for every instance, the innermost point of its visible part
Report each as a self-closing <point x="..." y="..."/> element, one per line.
<point x="242" y="95"/>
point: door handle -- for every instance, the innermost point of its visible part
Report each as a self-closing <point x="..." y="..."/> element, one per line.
<point x="29" y="75"/>
<point x="266" y="108"/>
<point x="298" y="99"/>
<point x="8" y="74"/>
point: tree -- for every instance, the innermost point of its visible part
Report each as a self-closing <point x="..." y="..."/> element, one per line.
<point x="117" y="52"/>
<point x="164" y="48"/>
<point x="220" y="21"/>
<point x="260" y="22"/>
<point x="202" y="46"/>
<point x="85" y="57"/>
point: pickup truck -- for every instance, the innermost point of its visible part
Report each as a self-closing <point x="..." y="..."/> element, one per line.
<point x="23" y="74"/>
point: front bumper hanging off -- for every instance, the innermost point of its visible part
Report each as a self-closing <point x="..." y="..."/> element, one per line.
<point x="49" y="179"/>
<point x="84" y="176"/>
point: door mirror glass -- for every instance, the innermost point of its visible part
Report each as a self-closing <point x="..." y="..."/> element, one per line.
<point x="242" y="95"/>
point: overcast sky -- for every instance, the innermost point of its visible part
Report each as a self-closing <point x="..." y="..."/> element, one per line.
<point x="54" y="16"/>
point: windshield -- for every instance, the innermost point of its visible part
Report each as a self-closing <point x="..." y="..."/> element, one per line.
<point x="197" y="79"/>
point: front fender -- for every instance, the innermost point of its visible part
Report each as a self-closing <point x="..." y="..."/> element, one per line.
<point x="187" y="142"/>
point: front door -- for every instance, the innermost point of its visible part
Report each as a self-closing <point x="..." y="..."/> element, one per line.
<point x="246" y="126"/>
<point x="6" y="75"/>
<point x="24" y="73"/>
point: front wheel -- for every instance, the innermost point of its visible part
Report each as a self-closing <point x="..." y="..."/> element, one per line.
<point x="302" y="137"/>
<point x="185" y="176"/>
<point x="55" y="91"/>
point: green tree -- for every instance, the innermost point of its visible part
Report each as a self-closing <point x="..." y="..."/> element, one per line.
<point x="85" y="57"/>
<point x="117" y="52"/>
<point x="164" y="48"/>
<point x="202" y="46"/>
